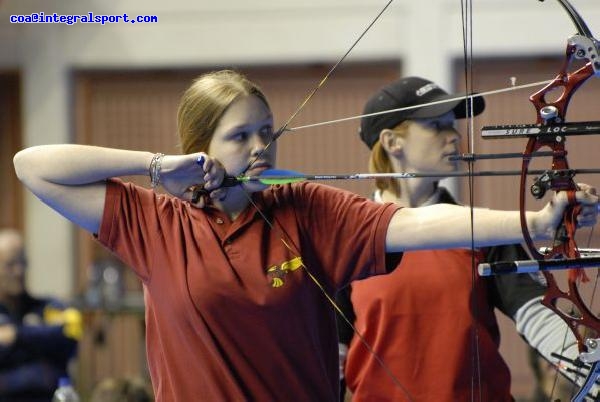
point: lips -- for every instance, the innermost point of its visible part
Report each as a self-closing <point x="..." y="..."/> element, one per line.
<point x="258" y="167"/>
<point x="449" y="154"/>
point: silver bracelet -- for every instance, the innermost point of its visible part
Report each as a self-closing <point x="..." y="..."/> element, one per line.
<point x="154" y="169"/>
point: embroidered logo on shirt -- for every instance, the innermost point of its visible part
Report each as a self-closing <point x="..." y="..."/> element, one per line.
<point x="276" y="273"/>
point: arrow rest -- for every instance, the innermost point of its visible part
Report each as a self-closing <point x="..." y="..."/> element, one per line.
<point x="552" y="179"/>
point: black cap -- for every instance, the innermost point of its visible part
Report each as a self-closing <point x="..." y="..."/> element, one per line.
<point x="410" y="91"/>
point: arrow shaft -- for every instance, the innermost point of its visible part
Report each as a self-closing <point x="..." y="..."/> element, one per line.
<point x="399" y="175"/>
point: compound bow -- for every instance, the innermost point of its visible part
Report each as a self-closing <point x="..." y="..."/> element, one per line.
<point x="551" y="130"/>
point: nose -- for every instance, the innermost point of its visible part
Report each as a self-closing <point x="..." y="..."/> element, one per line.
<point x="452" y="136"/>
<point x="258" y="143"/>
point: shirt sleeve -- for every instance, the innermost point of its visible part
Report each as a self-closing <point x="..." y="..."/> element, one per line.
<point x="511" y="292"/>
<point x="345" y="232"/>
<point x="131" y="226"/>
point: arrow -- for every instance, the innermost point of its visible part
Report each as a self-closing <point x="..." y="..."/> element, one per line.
<point x="283" y="176"/>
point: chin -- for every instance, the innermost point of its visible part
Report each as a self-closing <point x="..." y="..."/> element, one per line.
<point x="452" y="167"/>
<point x="256" y="171"/>
<point x="255" y="186"/>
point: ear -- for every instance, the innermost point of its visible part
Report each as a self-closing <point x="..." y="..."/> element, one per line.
<point x="391" y="142"/>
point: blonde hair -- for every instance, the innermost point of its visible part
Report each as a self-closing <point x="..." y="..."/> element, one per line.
<point x="379" y="161"/>
<point x="204" y="103"/>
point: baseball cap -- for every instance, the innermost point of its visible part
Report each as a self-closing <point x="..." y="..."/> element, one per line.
<point x="411" y="91"/>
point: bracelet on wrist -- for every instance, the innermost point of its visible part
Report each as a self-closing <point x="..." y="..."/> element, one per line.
<point x="154" y="169"/>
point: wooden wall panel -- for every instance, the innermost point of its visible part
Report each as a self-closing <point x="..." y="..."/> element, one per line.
<point x="11" y="206"/>
<point x="129" y="111"/>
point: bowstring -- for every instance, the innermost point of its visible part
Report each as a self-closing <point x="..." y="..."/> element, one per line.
<point x="312" y="93"/>
<point x="421" y="105"/>
<point x="467" y="34"/>
<point x="295" y="251"/>
<point x="275" y="136"/>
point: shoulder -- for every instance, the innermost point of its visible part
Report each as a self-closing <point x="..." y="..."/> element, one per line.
<point x="310" y="189"/>
<point x="317" y="201"/>
<point x="313" y="194"/>
<point x="128" y="192"/>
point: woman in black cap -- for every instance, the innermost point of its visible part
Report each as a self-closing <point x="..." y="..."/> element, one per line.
<point x="424" y="318"/>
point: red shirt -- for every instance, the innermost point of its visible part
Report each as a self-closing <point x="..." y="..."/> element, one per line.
<point x="217" y="329"/>
<point x="424" y="335"/>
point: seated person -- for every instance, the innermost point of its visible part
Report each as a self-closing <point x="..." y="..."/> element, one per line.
<point x="37" y="336"/>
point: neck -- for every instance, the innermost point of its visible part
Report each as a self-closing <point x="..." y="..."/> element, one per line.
<point x="413" y="192"/>
<point x="234" y="203"/>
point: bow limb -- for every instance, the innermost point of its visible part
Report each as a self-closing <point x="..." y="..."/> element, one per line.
<point x="578" y="21"/>
<point x="589" y="382"/>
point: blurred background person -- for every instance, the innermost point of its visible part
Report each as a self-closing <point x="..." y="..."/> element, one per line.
<point x="38" y="336"/>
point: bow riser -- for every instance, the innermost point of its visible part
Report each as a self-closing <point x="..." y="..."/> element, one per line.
<point x="549" y="113"/>
<point x="568" y="83"/>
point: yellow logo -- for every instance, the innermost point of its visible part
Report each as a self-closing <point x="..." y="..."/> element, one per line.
<point x="277" y="272"/>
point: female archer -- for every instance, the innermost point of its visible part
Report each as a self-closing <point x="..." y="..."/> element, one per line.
<point x="429" y="318"/>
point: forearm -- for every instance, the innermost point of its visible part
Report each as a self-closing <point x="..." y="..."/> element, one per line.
<point x="449" y="226"/>
<point x="78" y="164"/>
<point x="550" y="336"/>
<point x="62" y="176"/>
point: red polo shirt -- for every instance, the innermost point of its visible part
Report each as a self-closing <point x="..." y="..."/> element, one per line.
<point x="230" y="313"/>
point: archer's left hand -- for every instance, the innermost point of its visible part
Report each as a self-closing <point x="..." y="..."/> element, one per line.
<point x="549" y="218"/>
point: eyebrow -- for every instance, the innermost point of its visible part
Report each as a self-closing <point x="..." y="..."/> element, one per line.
<point x="267" y="120"/>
